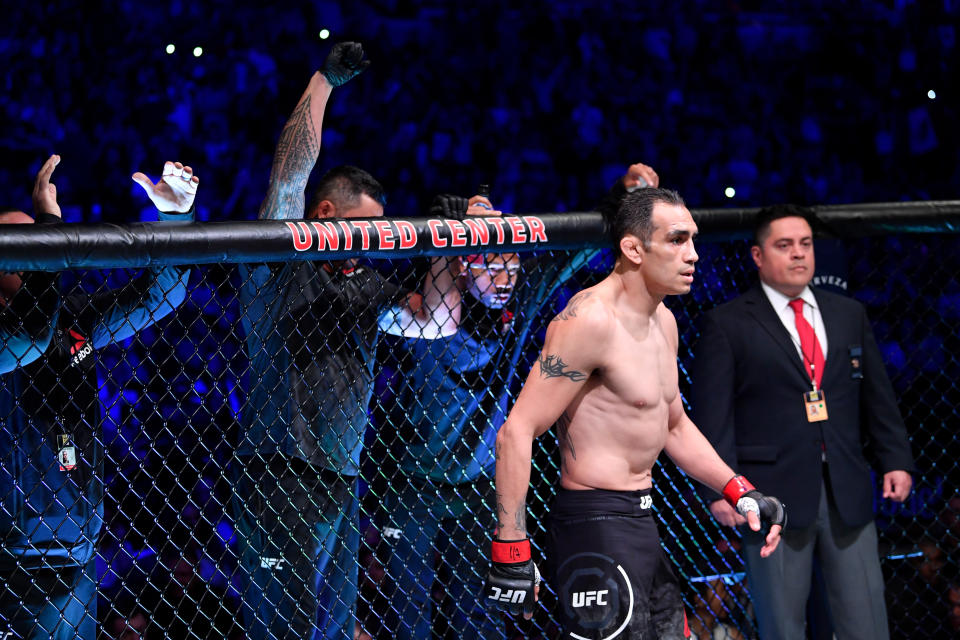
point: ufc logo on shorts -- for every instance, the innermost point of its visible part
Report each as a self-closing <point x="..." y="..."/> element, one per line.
<point x="514" y="596"/>
<point x="589" y="598"/>
<point x="391" y="532"/>
<point x="269" y="563"/>
<point x="646" y="502"/>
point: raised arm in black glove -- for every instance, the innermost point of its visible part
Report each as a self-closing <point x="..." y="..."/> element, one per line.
<point x="344" y="63"/>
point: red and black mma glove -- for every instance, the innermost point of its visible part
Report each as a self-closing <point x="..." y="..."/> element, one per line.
<point x="512" y="577"/>
<point x="745" y="498"/>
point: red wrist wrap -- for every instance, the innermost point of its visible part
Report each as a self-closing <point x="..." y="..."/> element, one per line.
<point x="735" y="489"/>
<point x="510" y="551"/>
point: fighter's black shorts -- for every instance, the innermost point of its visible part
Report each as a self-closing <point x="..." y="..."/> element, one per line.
<point x="611" y="576"/>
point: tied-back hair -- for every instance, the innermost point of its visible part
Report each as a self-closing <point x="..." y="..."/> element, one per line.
<point x="635" y="215"/>
<point x="344" y="185"/>
<point x="766" y="215"/>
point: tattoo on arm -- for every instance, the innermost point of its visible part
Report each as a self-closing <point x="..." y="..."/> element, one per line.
<point x="293" y="161"/>
<point x="571" y="309"/>
<point x="500" y="508"/>
<point x="521" y="522"/>
<point x="520" y="517"/>
<point x="566" y="444"/>
<point x="552" y="366"/>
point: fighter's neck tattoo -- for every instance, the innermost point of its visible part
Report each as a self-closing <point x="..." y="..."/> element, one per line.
<point x="552" y="366"/>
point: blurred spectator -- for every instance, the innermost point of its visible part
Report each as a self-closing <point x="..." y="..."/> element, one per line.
<point x="182" y="604"/>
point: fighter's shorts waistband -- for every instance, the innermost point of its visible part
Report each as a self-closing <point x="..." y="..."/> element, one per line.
<point x="579" y="502"/>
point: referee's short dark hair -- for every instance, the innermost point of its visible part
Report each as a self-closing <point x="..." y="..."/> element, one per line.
<point x="761" y="224"/>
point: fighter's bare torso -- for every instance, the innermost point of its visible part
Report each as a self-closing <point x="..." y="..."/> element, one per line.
<point x="616" y="426"/>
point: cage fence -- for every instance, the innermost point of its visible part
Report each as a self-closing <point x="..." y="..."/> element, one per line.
<point x="246" y="436"/>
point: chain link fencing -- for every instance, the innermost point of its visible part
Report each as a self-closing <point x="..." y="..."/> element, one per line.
<point x="239" y="450"/>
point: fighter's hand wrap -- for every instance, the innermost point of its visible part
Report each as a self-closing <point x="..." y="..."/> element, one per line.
<point x="344" y="62"/>
<point x="745" y="498"/>
<point x="447" y="205"/>
<point x="512" y="577"/>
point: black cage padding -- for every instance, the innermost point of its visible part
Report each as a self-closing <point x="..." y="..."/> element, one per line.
<point x="143" y="244"/>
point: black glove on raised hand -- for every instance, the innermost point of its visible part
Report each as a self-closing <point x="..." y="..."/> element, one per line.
<point x="447" y="205"/>
<point x="344" y="62"/>
<point x="745" y="498"/>
<point x="513" y="577"/>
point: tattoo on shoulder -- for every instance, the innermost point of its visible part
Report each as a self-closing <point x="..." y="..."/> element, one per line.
<point x="571" y="309"/>
<point x="553" y="366"/>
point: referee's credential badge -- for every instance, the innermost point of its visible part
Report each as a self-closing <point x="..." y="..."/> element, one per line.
<point x="67" y="453"/>
<point x="816" y="405"/>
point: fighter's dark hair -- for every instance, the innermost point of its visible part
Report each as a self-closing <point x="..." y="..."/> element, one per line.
<point x="635" y="215"/>
<point x="344" y="185"/>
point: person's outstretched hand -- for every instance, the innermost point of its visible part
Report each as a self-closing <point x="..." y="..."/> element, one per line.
<point x="175" y="190"/>
<point x="44" y="191"/>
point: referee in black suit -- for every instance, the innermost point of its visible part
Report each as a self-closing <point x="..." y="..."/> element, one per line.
<point x="790" y="388"/>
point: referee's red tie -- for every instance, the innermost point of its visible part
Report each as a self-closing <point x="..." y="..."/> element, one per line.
<point x="809" y="345"/>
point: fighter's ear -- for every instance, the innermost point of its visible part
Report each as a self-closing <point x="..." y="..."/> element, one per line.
<point x="323" y="209"/>
<point x="631" y="248"/>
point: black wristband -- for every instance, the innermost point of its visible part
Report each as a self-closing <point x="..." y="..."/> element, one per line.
<point x="47" y="218"/>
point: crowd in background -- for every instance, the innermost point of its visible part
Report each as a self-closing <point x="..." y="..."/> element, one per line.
<point x="815" y="104"/>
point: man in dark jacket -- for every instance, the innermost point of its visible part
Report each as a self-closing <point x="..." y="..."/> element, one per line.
<point x="788" y="384"/>
<point x="311" y="336"/>
<point x="51" y="476"/>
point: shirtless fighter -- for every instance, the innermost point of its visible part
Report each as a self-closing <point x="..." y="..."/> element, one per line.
<point x="607" y="377"/>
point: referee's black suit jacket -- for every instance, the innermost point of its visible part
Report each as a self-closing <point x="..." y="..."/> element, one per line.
<point x="747" y="398"/>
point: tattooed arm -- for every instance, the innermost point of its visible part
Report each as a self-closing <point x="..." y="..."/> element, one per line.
<point x="296" y="153"/>
<point x="299" y="143"/>
<point x="575" y="343"/>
